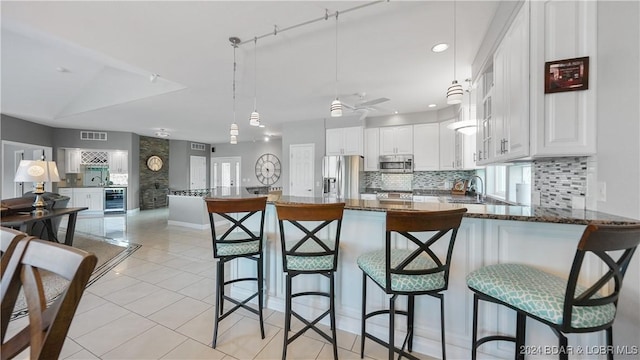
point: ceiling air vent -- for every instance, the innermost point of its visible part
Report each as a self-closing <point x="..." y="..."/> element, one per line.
<point x="198" y="146"/>
<point x="93" y="135"/>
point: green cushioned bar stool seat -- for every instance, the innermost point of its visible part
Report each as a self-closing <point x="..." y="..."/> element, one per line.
<point x="310" y="240"/>
<point x="411" y="271"/>
<point x="563" y="304"/>
<point x="240" y="241"/>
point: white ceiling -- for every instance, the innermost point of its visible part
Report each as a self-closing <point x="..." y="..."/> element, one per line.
<point x="108" y="50"/>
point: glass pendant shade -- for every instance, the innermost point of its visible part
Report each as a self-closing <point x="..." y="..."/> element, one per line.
<point x="467" y="127"/>
<point x="454" y="93"/>
<point x="336" y="108"/>
<point x="234" y="130"/>
<point x="234" y="139"/>
<point x="254" y="119"/>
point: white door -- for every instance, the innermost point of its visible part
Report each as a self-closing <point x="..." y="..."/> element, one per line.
<point x="225" y="174"/>
<point x="197" y="173"/>
<point x="19" y="186"/>
<point x="301" y="167"/>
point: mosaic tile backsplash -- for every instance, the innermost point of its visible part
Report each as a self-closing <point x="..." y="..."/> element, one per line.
<point x="417" y="180"/>
<point x="561" y="181"/>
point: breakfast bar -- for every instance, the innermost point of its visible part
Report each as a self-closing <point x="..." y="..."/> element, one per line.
<point x="489" y="234"/>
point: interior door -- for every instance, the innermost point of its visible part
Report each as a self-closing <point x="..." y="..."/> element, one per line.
<point x="301" y="167"/>
<point x="198" y="173"/>
<point x="225" y="174"/>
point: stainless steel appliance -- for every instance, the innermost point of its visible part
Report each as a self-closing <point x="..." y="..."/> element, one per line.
<point x="115" y="200"/>
<point x="343" y="176"/>
<point x="399" y="164"/>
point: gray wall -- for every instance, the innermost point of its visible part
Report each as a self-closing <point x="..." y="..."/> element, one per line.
<point x="618" y="158"/>
<point x="249" y="153"/>
<point x="304" y="132"/>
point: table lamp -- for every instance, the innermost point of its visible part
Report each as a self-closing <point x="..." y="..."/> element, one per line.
<point x="37" y="171"/>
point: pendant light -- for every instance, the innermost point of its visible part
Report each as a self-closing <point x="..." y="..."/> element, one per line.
<point x="336" y="105"/>
<point x="254" y="119"/>
<point x="234" y="127"/>
<point x="467" y="127"/>
<point x="454" y="92"/>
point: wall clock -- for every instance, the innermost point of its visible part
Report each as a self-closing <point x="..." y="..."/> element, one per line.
<point x="154" y="163"/>
<point x="268" y="169"/>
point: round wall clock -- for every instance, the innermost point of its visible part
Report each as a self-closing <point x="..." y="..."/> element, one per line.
<point x="268" y="169"/>
<point x="154" y="163"/>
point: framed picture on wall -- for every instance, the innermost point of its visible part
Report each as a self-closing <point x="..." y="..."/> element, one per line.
<point x="566" y="75"/>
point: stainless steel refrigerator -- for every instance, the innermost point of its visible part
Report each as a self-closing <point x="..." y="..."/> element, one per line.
<point x="343" y="176"/>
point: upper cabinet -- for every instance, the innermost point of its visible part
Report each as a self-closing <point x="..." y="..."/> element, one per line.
<point x="426" y="147"/>
<point x="344" y="141"/>
<point x="564" y="123"/>
<point x="396" y="140"/>
<point x="371" y="149"/>
<point x="447" y="146"/>
<point x="72" y="160"/>
<point x="118" y="162"/>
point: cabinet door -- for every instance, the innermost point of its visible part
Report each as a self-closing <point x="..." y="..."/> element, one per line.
<point x="387" y="141"/>
<point x="72" y="164"/>
<point x="96" y="199"/>
<point x="371" y="149"/>
<point x="118" y="162"/>
<point x="470" y="156"/>
<point x="447" y="146"/>
<point x="352" y="140"/>
<point x="426" y="140"/>
<point x="499" y="115"/>
<point x="404" y="140"/>
<point x="334" y="142"/>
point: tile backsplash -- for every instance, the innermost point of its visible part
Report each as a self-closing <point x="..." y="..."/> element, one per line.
<point x="562" y="182"/>
<point x="417" y="180"/>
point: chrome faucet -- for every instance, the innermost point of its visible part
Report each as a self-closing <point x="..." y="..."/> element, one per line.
<point x="101" y="183"/>
<point x="479" y="196"/>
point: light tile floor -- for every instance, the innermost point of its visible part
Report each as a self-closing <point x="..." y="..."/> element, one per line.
<point x="158" y="304"/>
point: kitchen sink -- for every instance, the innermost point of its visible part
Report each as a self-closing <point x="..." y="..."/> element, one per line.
<point x="464" y="201"/>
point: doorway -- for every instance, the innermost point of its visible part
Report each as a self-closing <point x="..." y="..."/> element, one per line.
<point x="12" y="153"/>
<point x="197" y="172"/>
<point x="301" y="169"/>
<point x="225" y="174"/>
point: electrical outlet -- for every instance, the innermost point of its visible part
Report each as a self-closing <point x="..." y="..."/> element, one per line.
<point x="602" y="191"/>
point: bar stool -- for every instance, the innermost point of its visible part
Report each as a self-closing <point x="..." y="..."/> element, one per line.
<point x="564" y="305"/>
<point x="411" y="272"/>
<point x="311" y="250"/>
<point x="237" y="242"/>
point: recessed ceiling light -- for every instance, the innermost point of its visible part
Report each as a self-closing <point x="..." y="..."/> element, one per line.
<point x="395" y="112"/>
<point x="432" y="105"/>
<point x="262" y="125"/>
<point x="266" y="138"/>
<point x="440" y="47"/>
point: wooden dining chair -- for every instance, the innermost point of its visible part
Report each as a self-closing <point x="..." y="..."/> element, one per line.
<point x="48" y="323"/>
<point x="8" y="240"/>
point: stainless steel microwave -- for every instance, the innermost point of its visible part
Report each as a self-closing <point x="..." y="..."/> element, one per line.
<point x="399" y="164"/>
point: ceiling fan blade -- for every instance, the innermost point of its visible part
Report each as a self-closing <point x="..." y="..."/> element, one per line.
<point x="373" y="102"/>
<point x="349" y="106"/>
<point x="364" y="114"/>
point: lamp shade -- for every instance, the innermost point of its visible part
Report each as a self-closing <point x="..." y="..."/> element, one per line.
<point x="454" y="93"/>
<point x="254" y="119"/>
<point x="234" y="130"/>
<point x="467" y="127"/>
<point x="233" y="140"/>
<point x="37" y="171"/>
<point x="336" y="108"/>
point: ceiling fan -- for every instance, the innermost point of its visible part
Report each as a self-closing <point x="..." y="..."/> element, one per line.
<point x="363" y="106"/>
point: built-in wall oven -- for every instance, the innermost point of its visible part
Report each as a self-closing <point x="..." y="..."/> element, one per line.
<point x="115" y="200"/>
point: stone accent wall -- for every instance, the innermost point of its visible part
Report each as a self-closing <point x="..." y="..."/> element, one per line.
<point x="154" y="185"/>
<point x="560" y="180"/>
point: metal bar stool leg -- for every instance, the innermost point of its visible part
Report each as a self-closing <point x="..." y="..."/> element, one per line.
<point x="219" y="300"/>
<point x="610" y="342"/>
<point x="474" y="335"/>
<point x="332" y="314"/>
<point x="364" y="314"/>
<point x="392" y="318"/>
<point x="444" y="344"/>
<point x="221" y="283"/>
<point x="521" y="326"/>
<point x="411" y="313"/>
<point x="287" y="316"/>
<point x="260" y="293"/>
<point x="563" y="346"/>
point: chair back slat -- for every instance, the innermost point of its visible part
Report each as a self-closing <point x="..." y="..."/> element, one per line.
<point x="304" y="218"/>
<point x="227" y="208"/>
<point x="600" y="240"/>
<point x="48" y="325"/>
<point x="404" y="223"/>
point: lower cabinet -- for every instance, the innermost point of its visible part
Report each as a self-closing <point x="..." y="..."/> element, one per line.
<point x="92" y="198"/>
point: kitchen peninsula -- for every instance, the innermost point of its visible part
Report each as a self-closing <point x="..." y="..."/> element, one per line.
<point x="489" y="234"/>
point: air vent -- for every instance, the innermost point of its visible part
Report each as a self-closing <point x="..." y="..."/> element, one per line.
<point x="198" y="146"/>
<point x="93" y="135"/>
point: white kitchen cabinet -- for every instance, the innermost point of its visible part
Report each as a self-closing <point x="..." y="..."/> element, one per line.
<point x="396" y="140"/>
<point x="368" y="197"/>
<point x="118" y="162"/>
<point x="564" y="123"/>
<point x="447" y="146"/>
<point x="484" y="116"/>
<point x="426" y="198"/>
<point x="72" y="160"/>
<point x="371" y="149"/>
<point x="92" y="198"/>
<point x="344" y="141"/>
<point x="426" y="147"/>
<point x="510" y="99"/>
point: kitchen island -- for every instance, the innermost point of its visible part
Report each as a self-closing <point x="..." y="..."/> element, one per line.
<point x="489" y="234"/>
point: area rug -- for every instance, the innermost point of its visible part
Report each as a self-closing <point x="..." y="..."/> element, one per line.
<point x="110" y="253"/>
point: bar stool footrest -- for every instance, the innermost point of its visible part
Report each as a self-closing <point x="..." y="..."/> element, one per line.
<point x="400" y="351"/>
